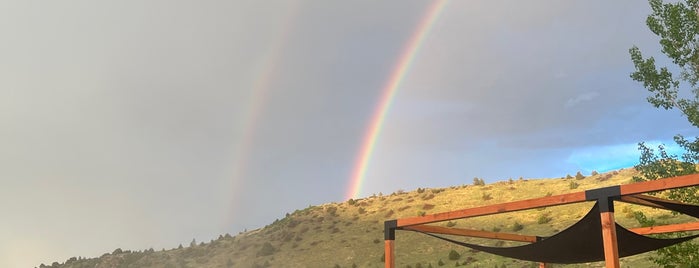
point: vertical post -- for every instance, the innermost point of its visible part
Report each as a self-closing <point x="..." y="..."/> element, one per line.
<point x="611" y="251"/>
<point x="605" y="201"/>
<point x="389" y="229"/>
<point x="389" y="249"/>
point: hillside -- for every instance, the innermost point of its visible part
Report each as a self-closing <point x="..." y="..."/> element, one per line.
<point x="350" y="234"/>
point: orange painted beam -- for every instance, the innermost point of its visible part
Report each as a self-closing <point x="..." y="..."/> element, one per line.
<point x="659" y="185"/>
<point x="472" y="233"/>
<point x="496" y="208"/>
<point x="670" y="228"/>
<point x="611" y="250"/>
<point x="389" y="251"/>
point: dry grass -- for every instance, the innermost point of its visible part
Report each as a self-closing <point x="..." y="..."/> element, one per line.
<point x="346" y="233"/>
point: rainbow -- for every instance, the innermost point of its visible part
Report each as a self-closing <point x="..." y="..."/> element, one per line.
<point x="265" y="71"/>
<point x="388" y="93"/>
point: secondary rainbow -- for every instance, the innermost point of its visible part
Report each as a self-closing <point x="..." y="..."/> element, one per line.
<point x="388" y="93"/>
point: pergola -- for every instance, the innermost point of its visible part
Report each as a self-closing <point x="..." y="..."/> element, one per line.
<point x="600" y="219"/>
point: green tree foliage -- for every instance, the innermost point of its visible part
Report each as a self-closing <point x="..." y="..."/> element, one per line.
<point x="677" y="25"/>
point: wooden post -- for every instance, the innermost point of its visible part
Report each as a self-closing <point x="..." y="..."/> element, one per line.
<point x="389" y="250"/>
<point x="611" y="251"/>
<point x="389" y="229"/>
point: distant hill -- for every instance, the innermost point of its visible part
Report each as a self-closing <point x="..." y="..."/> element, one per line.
<point x="350" y="234"/>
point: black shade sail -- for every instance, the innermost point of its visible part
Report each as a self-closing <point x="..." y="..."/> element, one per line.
<point x="582" y="242"/>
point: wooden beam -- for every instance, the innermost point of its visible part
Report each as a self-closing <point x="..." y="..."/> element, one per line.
<point x="389" y="251"/>
<point x="611" y="251"/>
<point x="659" y="185"/>
<point x="670" y="228"/>
<point x="633" y="199"/>
<point x="472" y="233"/>
<point x="547" y="201"/>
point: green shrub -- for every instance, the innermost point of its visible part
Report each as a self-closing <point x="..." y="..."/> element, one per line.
<point x="266" y="249"/>
<point x="486" y="197"/>
<point x="440" y="263"/>
<point x="543" y="218"/>
<point x="517" y="226"/>
<point x="579" y="176"/>
<point x="451" y="223"/>
<point x="453" y="255"/>
<point x="573" y="185"/>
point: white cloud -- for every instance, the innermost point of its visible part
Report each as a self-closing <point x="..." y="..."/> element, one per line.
<point x="587" y="96"/>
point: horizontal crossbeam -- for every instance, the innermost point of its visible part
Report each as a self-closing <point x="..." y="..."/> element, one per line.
<point x="472" y="233"/>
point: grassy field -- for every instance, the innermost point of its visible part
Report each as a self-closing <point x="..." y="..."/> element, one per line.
<point x="350" y="234"/>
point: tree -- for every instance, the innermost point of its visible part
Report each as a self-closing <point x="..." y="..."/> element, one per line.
<point x="677" y="25"/>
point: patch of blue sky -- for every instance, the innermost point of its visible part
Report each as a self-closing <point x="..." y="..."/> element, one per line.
<point x="616" y="156"/>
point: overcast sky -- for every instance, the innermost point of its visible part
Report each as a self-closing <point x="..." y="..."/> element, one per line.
<point x="139" y="124"/>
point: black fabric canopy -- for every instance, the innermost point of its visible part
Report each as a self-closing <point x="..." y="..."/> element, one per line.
<point x="582" y="242"/>
<point x="672" y="205"/>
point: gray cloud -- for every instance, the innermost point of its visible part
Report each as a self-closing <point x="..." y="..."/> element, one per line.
<point x="124" y="124"/>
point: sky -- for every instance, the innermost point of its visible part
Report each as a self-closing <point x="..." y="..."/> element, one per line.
<point x="146" y="124"/>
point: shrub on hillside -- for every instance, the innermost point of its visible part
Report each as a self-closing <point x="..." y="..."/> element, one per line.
<point x="573" y="185"/>
<point x="579" y="176"/>
<point x="478" y="182"/>
<point x="543" y="218"/>
<point x="486" y="197"/>
<point x="604" y="177"/>
<point x="453" y="255"/>
<point x="517" y="226"/>
<point x="266" y="249"/>
<point x="331" y="210"/>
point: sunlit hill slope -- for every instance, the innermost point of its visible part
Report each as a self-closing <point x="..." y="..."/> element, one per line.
<point x="350" y="234"/>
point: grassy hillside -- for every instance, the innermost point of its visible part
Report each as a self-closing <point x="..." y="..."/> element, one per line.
<point x="350" y="234"/>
